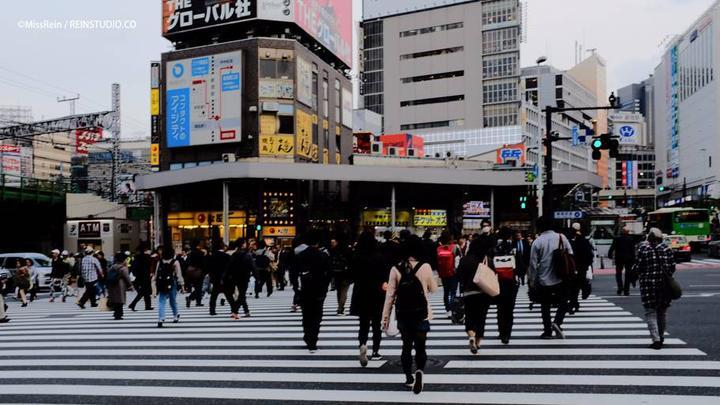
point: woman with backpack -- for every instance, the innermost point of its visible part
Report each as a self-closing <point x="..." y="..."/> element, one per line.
<point x="370" y="274"/>
<point x="408" y="288"/>
<point x="117" y="283"/>
<point x="476" y="301"/>
<point x="168" y="279"/>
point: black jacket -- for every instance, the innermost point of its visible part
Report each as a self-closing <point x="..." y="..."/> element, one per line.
<point x="313" y="267"/>
<point x="140" y="268"/>
<point x="623" y="249"/>
<point x="218" y="264"/>
<point x="370" y="273"/>
<point x="239" y="268"/>
<point x="583" y="253"/>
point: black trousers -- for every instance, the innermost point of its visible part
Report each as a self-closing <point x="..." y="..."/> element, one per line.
<point x="144" y="291"/>
<point x="365" y="323"/>
<point x="416" y="338"/>
<point x="197" y="291"/>
<point x="557" y="294"/>
<point x="89" y="294"/>
<point x="476" y="310"/>
<point x="505" y="307"/>
<point x="263" y="278"/>
<point x="215" y="290"/>
<point x="241" y="300"/>
<point x="623" y="286"/>
<point x="577" y="286"/>
<point x="280" y="277"/>
<point x="312" y="313"/>
<point x="117" y="310"/>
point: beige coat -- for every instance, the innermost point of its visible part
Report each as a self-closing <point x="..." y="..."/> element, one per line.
<point x="425" y="274"/>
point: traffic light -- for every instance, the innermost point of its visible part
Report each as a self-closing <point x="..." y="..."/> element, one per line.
<point x="523" y="203"/>
<point x="605" y="142"/>
<point x="661" y="189"/>
<point x="258" y="227"/>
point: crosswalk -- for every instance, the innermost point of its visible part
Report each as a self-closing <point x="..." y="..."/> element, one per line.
<point x="60" y="354"/>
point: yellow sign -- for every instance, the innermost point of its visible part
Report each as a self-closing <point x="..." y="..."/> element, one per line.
<point x="326" y="124"/>
<point x="205" y="219"/>
<point x="382" y="218"/>
<point x="337" y="158"/>
<point x="303" y="134"/>
<point x="337" y="130"/>
<point x="430" y="218"/>
<point x="281" y="231"/>
<point x="314" y="152"/>
<point x="154" y="101"/>
<point x="155" y="154"/>
<point x="277" y="145"/>
<point x="268" y="124"/>
<point x="326" y="156"/>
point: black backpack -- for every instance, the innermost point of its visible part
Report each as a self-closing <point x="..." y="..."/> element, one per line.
<point x="165" y="277"/>
<point x="113" y="276"/>
<point x="410" y="303"/>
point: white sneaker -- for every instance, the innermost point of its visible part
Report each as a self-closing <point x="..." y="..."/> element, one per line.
<point x="363" y="356"/>
<point x="448" y="315"/>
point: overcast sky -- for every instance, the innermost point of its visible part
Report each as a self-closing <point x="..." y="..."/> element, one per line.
<point x="39" y="65"/>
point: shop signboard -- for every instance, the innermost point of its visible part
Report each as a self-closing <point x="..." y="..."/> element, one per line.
<point x="279" y="231"/>
<point x="476" y="209"/>
<point x="203" y="100"/>
<point x="85" y="137"/>
<point x="277" y="146"/>
<point x="430" y="218"/>
<point x="304" y="81"/>
<point x="347" y="107"/>
<point x="278" y="209"/>
<point x="303" y="134"/>
<point x="383" y="218"/>
<point x="329" y="22"/>
<point x="190" y="15"/>
<point x="511" y="153"/>
<point x="89" y="229"/>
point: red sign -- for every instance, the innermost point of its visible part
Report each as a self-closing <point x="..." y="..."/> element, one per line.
<point x="511" y="153"/>
<point x="86" y="137"/>
<point x="9" y="149"/>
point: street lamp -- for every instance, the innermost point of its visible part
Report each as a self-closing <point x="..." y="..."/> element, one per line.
<point x="538" y="161"/>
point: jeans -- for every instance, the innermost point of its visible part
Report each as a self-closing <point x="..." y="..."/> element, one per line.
<point x="624" y="287"/>
<point x="312" y="312"/>
<point x="90" y="294"/>
<point x="556" y="294"/>
<point x="413" y="337"/>
<point x="365" y="323"/>
<point x="657" y="322"/>
<point x="342" y="284"/>
<point x="164" y="296"/>
<point x="450" y="285"/>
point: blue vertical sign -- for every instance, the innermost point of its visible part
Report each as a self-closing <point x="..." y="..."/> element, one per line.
<point x="629" y="174"/>
<point x="177" y="123"/>
<point x="575" y="136"/>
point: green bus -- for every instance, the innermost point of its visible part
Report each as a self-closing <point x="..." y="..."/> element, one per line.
<point x="692" y="223"/>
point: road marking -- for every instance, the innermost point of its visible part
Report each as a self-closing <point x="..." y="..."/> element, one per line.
<point x="199" y="363"/>
<point x="586" y="364"/>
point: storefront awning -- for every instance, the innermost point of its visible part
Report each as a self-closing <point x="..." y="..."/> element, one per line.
<point x="348" y="173"/>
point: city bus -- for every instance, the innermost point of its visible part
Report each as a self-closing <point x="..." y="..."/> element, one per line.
<point x="692" y="224"/>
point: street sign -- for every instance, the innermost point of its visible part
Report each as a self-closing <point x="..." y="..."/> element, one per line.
<point x="568" y="214"/>
<point x="575" y="136"/>
<point x="579" y="196"/>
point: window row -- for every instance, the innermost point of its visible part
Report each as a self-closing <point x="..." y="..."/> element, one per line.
<point x="432" y="53"/>
<point x="373" y="34"/>
<point x="375" y="103"/>
<point x="434" y="124"/>
<point x="428" y="30"/>
<point x="501" y="11"/>
<point x="434" y="100"/>
<point x="500" y="66"/>
<point x="434" y="76"/>
<point x="373" y="59"/>
<point x="696" y="63"/>
<point x="501" y="115"/>
<point x="502" y="40"/>
<point x="501" y="91"/>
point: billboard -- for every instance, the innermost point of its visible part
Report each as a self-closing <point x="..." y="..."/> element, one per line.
<point x="15" y="162"/>
<point x="511" y="153"/>
<point x="629" y="133"/>
<point x="329" y="22"/>
<point x="203" y="100"/>
<point x="86" y="137"/>
<point x="189" y="15"/>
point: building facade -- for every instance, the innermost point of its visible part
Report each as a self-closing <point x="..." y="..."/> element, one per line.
<point x="452" y="68"/>
<point x="686" y="113"/>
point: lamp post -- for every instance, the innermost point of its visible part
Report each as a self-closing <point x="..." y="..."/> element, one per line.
<point x="538" y="161"/>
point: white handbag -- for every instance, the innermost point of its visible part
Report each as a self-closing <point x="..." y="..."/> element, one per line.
<point x="392" y="328"/>
<point x="486" y="279"/>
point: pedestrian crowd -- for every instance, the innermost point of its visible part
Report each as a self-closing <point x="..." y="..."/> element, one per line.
<point x="391" y="281"/>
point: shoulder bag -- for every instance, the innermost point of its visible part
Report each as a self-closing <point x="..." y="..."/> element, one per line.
<point x="486" y="279"/>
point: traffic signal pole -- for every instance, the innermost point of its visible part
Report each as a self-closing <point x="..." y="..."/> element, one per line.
<point x="550" y="137"/>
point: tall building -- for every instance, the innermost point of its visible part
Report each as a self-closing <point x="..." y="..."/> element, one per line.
<point x="687" y="113"/>
<point x="449" y="72"/>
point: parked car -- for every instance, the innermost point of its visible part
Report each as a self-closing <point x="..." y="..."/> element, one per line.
<point x="41" y="263"/>
<point x="680" y="246"/>
<point x="714" y="249"/>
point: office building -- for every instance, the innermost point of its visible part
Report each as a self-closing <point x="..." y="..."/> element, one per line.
<point x="687" y="113"/>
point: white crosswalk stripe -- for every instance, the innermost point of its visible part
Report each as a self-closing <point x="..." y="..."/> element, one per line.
<point x="60" y="352"/>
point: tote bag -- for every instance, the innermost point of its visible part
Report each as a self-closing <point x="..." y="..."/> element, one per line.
<point x="392" y="329"/>
<point x="486" y="279"/>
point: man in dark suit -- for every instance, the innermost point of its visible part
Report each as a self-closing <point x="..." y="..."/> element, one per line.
<point x="623" y="251"/>
<point x="522" y="256"/>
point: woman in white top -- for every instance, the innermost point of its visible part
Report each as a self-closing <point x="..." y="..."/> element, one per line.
<point x="408" y="289"/>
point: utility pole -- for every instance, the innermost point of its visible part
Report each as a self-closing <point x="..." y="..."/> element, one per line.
<point x="70" y="101"/>
<point x="115" y="131"/>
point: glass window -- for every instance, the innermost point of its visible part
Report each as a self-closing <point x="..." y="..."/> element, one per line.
<point x="337" y="101"/>
<point x="325" y="95"/>
<point x="267" y="69"/>
<point x="287" y="124"/>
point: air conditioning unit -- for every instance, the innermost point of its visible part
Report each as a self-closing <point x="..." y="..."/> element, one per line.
<point x="411" y="152"/>
<point x="228" y="157"/>
<point x="376" y="148"/>
<point x="393" y="151"/>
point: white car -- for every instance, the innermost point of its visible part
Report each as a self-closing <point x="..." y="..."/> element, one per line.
<point x="41" y="263"/>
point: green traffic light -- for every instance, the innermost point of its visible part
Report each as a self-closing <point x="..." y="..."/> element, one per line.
<point x="523" y="206"/>
<point x="258" y="228"/>
<point x="661" y="188"/>
<point x="597" y="144"/>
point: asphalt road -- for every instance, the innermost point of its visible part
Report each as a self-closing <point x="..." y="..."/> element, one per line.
<point x="695" y="318"/>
